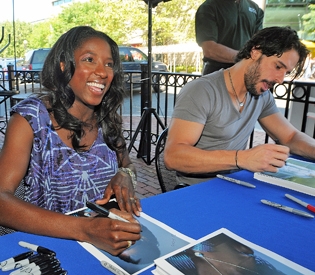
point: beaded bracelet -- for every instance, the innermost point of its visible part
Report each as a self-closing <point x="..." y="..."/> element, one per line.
<point x="129" y="172"/>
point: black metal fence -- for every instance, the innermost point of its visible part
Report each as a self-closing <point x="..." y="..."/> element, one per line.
<point x="147" y="112"/>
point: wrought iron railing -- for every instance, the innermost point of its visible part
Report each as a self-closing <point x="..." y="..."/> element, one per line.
<point x="295" y="99"/>
<point x="299" y="98"/>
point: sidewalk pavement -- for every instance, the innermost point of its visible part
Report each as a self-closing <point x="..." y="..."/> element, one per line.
<point x="148" y="184"/>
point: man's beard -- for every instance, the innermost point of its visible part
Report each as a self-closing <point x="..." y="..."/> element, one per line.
<point x="251" y="78"/>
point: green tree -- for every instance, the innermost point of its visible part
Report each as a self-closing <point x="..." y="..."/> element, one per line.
<point x="309" y="22"/>
<point x="172" y="22"/>
<point x="22" y="31"/>
<point x="41" y="36"/>
<point x="111" y="17"/>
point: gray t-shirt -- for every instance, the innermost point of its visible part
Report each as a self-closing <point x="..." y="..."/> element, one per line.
<point x="206" y="100"/>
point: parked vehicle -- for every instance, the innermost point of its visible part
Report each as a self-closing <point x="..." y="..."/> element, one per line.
<point x="4" y="63"/>
<point x="132" y="58"/>
<point x="34" y="61"/>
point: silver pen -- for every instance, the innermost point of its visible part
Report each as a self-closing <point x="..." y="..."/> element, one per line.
<point x="305" y="204"/>
<point x="287" y="208"/>
<point x="240" y="182"/>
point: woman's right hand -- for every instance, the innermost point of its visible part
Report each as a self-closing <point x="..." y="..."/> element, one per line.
<point x="112" y="235"/>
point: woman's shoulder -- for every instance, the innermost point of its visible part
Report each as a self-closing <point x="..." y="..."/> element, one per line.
<point x="33" y="109"/>
<point x="31" y="104"/>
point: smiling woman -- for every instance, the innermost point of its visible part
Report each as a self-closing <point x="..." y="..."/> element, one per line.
<point x="93" y="75"/>
<point x="70" y="146"/>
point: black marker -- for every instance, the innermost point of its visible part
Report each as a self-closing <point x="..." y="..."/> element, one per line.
<point x="37" y="248"/>
<point x="58" y="271"/>
<point x="52" y="271"/>
<point x="34" y="259"/>
<point x="104" y="212"/>
<point x="16" y="258"/>
<point x="34" y="268"/>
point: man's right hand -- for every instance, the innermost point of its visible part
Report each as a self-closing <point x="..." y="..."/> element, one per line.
<point x="263" y="158"/>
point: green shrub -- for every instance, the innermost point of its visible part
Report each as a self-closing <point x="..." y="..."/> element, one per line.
<point x="186" y="69"/>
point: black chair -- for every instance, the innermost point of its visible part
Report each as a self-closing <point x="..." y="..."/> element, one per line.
<point x="166" y="177"/>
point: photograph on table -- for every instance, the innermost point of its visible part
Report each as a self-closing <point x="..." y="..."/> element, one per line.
<point x="223" y="252"/>
<point x="298" y="175"/>
<point x="157" y="240"/>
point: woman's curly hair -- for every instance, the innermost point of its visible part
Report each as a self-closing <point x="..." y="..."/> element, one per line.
<point x="61" y="97"/>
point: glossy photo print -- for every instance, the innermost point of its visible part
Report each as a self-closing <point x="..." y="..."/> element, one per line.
<point x="157" y="240"/>
<point x="223" y="252"/>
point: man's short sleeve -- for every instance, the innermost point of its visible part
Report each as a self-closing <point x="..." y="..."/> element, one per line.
<point x="205" y="24"/>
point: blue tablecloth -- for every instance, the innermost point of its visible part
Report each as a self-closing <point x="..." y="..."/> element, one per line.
<point x="199" y="210"/>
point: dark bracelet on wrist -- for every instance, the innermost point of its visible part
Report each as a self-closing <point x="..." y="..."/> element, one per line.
<point x="236" y="159"/>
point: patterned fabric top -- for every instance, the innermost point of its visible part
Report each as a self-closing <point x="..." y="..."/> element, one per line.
<point x="58" y="177"/>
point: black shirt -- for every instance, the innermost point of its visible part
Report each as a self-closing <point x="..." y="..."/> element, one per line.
<point x="228" y="23"/>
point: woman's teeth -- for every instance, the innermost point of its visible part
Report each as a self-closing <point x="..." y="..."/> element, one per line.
<point x="97" y="85"/>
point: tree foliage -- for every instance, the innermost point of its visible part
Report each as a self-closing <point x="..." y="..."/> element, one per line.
<point x="22" y="31"/>
<point x="126" y="21"/>
<point x="123" y="20"/>
<point x="309" y="20"/>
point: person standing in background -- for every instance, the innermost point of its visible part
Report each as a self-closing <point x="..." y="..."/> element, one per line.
<point x="223" y="27"/>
